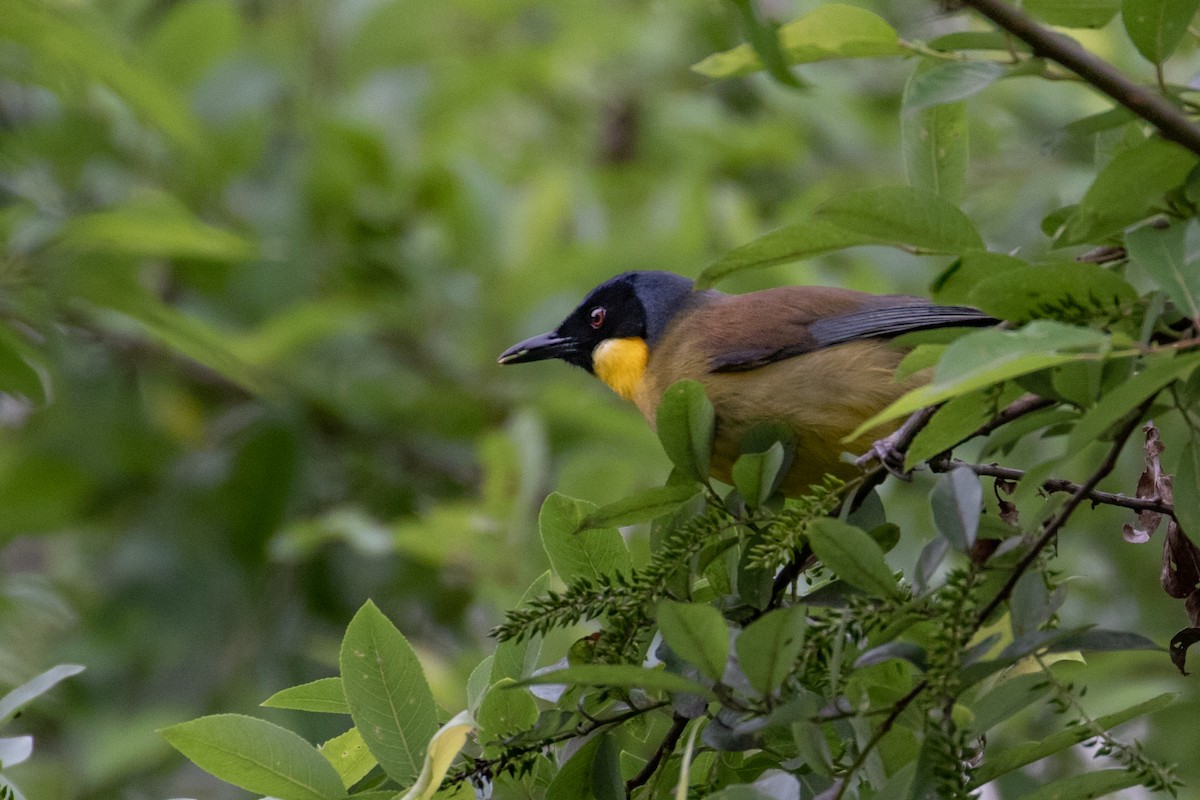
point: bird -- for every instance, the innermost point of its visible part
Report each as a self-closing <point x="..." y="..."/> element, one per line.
<point x="813" y="362"/>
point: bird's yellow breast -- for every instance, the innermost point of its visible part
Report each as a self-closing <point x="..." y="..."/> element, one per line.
<point x="621" y="363"/>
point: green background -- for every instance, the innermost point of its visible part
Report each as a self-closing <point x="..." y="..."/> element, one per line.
<point x="258" y="261"/>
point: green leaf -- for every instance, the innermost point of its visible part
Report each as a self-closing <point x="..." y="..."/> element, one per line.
<point x="697" y="633"/>
<point x="350" y="756"/>
<point x="852" y="555"/>
<point x="765" y="41"/>
<point x="1026" y="644"/>
<point x="924" y="786"/>
<point x="923" y="356"/>
<point x="1031" y="603"/>
<point x="1131" y="393"/>
<point x="69" y="45"/>
<point x="1161" y="254"/>
<point x="885" y="534"/>
<point x="443" y="748"/>
<point x="957" y="502"/>
<point x="641" y="507"/>
<point x="948" y="82"/>
<point x="956" y="284"/>
<point x="893" y="650"/>
<point x="1007" y="699"/>
<point x="386" y="691"/>
<point x="180" y="333"/>
<point x="1187" y="489"/>
<point x="321" y="695"/>
<point x="627" y="676"/>
<point x="934" y="142"/>
<point x="33" y="688"/>
<point x="43" y="492"/>
<point x="900" y="216"/>
<point x="480" y="679"/>
<point x="8" y="788"/>
<point x="1039" y="291"/>
<point x="1074" y="13"/>
<point x="782" y="246"/>
<point x="18" y="376"/>
<point x="288" y="335"/>
<point x="757" y="475"/>
<point x="514" y="659"/>
<point x="956" y="420"/>
<point x="768" y="647"/>
<point x="685" y="422"/>
<point x="1156" y="27"/>
<point x="831" y="31"/>
<point x="192" y="38"/>
<point x="1078" y="384"/>
<point x="257" y="756"/>
<point x="589" y="554"/>
<point x="153" y="225"/>
<point x="1131" y="187"/>
<point x="984" y="358"/>
<point x="812" y="745"/>
<point x="1100" y="121"/>
<point x="1005" y="761"/>
<point x="1103" y="640"/>
<point x="1087" y="785"/>
<point x="505" y="710"/>
<point x="905" y="216"/>
<point x="578" y="777"/>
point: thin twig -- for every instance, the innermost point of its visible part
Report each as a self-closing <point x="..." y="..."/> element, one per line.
<point x="1025" y="404"/>
<point x="665" y="747"/>
<point x="889" y="451"/>
<point x="484" y="767"/>
<point x="885" y="726"/>
<point x="1049" y="532"/>
<point x="1057" y="486"/>
<point x="1104" y="254"/>
<point x="1054" y="525"/>
<point x="895" y="447"/>
<point x="1147" y="104"/>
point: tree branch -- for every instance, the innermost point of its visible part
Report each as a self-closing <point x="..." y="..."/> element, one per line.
<point x="890" y="451"/>
<point x="1147" y="104"/>
<point x="1025" y="404"/>
<point x="1054" y="524"/>
<point x="1058" y="485"/>
<point x="897" y="709"/>
<point x="1080" y="492"/>
<point x="667" y="746"/>
<point x="487" y="767"/>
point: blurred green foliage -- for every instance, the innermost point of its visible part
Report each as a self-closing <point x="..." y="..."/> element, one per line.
<point x="258" y="260"/>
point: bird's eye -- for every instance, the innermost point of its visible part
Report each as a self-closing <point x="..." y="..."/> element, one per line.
<point x="597" y="316"/>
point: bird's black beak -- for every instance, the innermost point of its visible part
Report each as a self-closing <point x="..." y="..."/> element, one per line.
<point x="538" y="348"/>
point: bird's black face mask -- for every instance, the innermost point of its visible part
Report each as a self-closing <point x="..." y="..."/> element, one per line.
<point x="633" y="305"/>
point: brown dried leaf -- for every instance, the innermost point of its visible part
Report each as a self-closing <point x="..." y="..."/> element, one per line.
<point x="1154" y="446"/>
<point x="1180" y="563"/>
<point x="1152" y="485"/>
<point x="982" y="550"/>
<point x="1179" y="647"/>
<point x="1009" y="513"/>
<point x="1192" y="606"/>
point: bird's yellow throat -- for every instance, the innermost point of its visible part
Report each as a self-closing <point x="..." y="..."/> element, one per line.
<point x="621" y="363"/>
